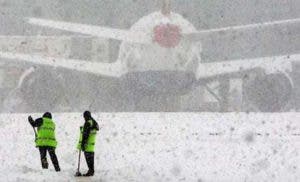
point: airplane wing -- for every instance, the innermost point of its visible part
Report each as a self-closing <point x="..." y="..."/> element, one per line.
<point x="104" y="32"/>
<point x="197" y="36"/>
<point x="269" y="64"/>
<point x="105" y="69"/>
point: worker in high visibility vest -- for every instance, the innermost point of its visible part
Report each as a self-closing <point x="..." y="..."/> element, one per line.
<point x="45" y="139"/>
<point x="87" y="141"/>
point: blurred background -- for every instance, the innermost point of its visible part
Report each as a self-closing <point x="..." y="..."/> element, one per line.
<point x="72" y="91"/>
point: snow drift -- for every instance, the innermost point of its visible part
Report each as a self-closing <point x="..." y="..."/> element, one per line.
<point x="161" y="147"/>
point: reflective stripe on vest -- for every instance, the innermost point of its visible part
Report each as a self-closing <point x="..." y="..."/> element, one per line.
<point x="46" y="134"/>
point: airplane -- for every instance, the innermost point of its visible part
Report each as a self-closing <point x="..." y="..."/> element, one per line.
<point x="159" y="61"/>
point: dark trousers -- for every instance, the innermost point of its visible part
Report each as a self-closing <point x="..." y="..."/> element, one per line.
<point x="89" y="157"/>
<point x="51" y="151"/>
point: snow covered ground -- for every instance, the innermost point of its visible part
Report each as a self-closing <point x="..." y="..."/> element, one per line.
<point x="189" y="147"/>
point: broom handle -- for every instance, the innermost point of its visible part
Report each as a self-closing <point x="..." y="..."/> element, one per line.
<point x="79" y="161"/>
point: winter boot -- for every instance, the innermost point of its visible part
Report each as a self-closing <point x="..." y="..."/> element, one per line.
<point x="57" y="169"/>
<point x="45" y="164"/>
<point x="89" y="173"/>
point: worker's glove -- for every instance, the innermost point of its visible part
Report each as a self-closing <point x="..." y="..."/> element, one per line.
<point x="30" y="120"/>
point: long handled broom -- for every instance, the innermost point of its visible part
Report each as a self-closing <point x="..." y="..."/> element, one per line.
<point x="78" y="173"/>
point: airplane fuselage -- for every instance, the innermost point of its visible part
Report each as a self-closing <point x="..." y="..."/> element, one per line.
<point x="167" y="52"/>
<point x="167" y="66"/>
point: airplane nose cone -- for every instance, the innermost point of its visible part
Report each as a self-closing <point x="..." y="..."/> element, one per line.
<point x="167" y="35"/>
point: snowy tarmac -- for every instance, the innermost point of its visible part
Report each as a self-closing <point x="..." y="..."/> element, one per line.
<point x="200" y="147"/>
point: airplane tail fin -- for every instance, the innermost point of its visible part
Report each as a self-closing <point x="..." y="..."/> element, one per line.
<point x="166" y="7"/>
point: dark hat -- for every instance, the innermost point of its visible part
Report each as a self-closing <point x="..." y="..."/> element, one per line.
<point x="87" y="114"/>
<point x="47" y="115"/>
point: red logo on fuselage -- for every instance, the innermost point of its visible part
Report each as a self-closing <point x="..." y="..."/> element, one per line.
<point x="167" y="35"/>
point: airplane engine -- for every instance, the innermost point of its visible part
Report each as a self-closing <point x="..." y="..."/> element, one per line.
<point x="269" y="93"/>
<point x="42" y="90"/>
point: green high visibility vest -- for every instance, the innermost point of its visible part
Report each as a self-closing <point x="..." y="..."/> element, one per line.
<point x="46" y="134"/>
<point x="90" y="144"/>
